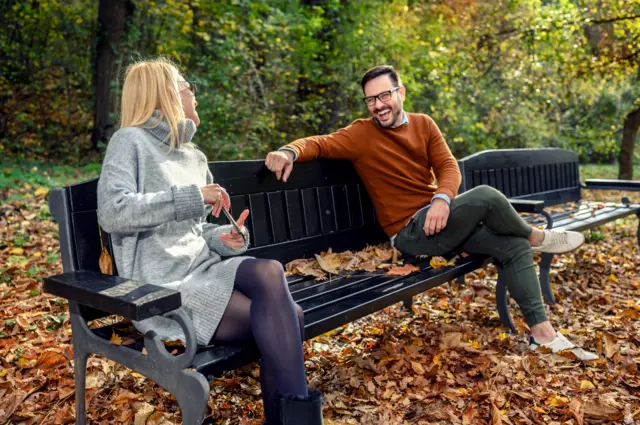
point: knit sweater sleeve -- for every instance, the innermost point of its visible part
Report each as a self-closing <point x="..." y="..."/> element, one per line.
<point x="443" y="162"/>
<point x="342" y="144"/>
<point x="122" y="208"/>
<point x="211" y="232"/>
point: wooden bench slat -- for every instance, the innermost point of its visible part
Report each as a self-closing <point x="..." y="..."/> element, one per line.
<point x="277" y="212"/>
<point x="318" y="287"/>
<point x="326" y="209"/>
<point x="214" y="361"/>
<point x="351" y="286"/>
<point x="599" y="219"/>
<point x="341" y="206"/>
<point x="262" y="232"/>
<point x="310" y="211"/>
<point x="527" y="206"/>
<point x="580" y="215"/>
<point x="633" y="185"/>
<point x="355" y="205"/>
<point x="294" y="214"/>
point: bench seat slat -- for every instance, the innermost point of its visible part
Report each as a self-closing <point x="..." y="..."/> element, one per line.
<point x="113" y="294"/>
<point x="350" y="288"/>
<point x="215" y="361"/>
<point x="294" y="280"/>
<point x="320" y="288"/>
<point x="601" y="217"/>
<point x="580" y="215"/>
<point x="527" y="206"/>
<point x="584" y="213"/>
<point x="552" y="197"/>
<point x="612" y="184"/>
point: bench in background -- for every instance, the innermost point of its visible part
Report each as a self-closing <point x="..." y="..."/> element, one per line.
<point x="550" y="175"/>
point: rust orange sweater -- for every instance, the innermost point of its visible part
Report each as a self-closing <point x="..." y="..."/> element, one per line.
<point x="397" y="165"/>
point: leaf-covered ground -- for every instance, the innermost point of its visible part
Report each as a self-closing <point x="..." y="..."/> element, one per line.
<point x="446" y="362"/>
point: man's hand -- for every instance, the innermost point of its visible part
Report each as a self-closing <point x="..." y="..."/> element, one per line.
<point x="216" y="195"/>
<point x="281" y="163"/>
<point x="437" y="217"/>
<point x="234" y="239"/>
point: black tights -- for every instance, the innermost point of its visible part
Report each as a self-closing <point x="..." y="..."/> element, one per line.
<point x="261" y="307"/>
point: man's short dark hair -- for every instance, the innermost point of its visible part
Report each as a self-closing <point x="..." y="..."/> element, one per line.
<point x="377" y="71"/>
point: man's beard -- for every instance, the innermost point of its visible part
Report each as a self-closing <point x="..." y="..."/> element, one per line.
<point x="394" y="114"/>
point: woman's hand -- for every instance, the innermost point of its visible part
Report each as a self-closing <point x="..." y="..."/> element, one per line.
<point x="234" y="240"/>
<point x="215" y="195"/>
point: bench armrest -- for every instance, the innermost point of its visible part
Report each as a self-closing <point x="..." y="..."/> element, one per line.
<point x="524" y="206"/>
<point x="113" y="294"/>
<point x="612" y="184"/>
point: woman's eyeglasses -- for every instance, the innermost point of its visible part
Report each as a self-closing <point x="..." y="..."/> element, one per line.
<point x="191" y="85"/>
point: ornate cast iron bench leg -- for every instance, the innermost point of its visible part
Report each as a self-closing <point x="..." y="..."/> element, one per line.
<point x="545" y="267"/>
<point x="502" y="303"/>
<point x="408" y="303"/>
<point x="545" y="283"/>
<point x="189" y="387"/>
<point x="638" y="233"/>
<point x="79" y="364"/>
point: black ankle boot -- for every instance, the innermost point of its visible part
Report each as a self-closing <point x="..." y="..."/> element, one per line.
<point x="295" y="410"/>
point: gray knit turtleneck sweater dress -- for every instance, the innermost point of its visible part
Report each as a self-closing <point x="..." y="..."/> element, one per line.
<point x="149" y="200"/>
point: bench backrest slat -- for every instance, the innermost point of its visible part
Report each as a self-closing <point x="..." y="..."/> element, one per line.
<point x="549" y="174"/>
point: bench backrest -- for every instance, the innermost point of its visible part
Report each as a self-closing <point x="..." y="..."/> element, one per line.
<point x="550" y="175"/>
<point x="322" y="206"/>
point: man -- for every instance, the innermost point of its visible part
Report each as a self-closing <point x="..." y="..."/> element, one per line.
<point x="394" y="153"/>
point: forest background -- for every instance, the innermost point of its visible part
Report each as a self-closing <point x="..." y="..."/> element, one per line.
<point x="493" y="74"/>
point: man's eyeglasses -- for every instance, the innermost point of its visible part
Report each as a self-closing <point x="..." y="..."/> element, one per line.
<point x="191" y="85"/>
<point x="384" y="97"/>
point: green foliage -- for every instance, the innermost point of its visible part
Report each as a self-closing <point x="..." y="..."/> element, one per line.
<point x="52" y="258"/>
<point x="595" y="236"/>
<point x="45" y="79"/>
<point x="493" y="74"/>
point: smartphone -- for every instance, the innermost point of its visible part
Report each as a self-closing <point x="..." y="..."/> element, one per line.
<point x="233" y="222"/>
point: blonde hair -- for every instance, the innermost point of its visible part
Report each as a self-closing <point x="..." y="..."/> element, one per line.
<point x="150" y="85"/>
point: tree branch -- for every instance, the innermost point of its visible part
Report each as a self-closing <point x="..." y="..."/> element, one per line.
<point x="619" y="18"/>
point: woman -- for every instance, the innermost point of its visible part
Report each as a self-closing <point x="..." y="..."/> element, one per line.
<point x="154" y="194"/>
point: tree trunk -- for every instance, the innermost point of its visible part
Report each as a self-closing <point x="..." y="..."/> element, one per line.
<point x="629" y="134"/>
<point x="112" y="18"/>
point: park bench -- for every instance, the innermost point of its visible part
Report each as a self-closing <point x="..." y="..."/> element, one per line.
<point x="550" y="175"/>
<point x="323" y="205"/>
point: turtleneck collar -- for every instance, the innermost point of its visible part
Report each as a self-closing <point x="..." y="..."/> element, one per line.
<point x="158" y="126"/>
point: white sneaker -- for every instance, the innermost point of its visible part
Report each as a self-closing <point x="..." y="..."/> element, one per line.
<point x="559" y="241"/>
<point x="560" y="344"/>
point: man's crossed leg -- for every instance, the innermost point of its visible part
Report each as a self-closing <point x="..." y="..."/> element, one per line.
<point x="481" y="221"/>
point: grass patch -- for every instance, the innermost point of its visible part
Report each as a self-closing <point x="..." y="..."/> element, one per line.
<point x="605" y="171"/>
<point x="31" y="175"/>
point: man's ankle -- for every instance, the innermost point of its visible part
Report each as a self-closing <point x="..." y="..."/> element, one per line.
<point x="543" y="332"/>
<point x="536" y="237"/>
